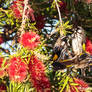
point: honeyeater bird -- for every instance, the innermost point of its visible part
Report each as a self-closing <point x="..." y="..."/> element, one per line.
<point x="78" y="38"/>
<point x="58" y="47"/>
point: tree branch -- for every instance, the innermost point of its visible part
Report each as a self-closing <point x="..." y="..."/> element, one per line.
<point x="58" y="12"/>
<point x="24" y="17"/>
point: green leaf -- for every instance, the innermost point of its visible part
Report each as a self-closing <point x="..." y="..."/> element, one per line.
<point x="74" y="84"/>
<point x="65" y="83"/>
<point x="19" y="86"/>
<point x="64" y="74"/>
<point x="31" y="89"/>
<point x="66" y="23"/>
<point x="71" y="80"/>
<point x="61" y="82"/>
<point x="67" y="88"/>
<point x="58" y="73"/>
<point x="84" y="47"/>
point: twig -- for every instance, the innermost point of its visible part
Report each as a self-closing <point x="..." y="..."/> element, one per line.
<point x="24" y="17"/>
<point x="58" y="12"/>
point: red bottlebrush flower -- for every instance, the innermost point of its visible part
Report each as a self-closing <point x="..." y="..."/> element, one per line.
<point x="72" y="89"/>
<point x="40" y="21"/>
<point x="31" y="13"/>
<point x="1" y="40"/>
<point x="30" y="40"/>
<point x="81" y="87"/>
<point x="2" y="87"/>
<point x="81" y="83"/>
<point x="13" y="6"/>
<point x="18" y="7"/>
<point x="14" y="2"/>
<point x="38" y="76"/>
<point x="17" y="13"/>
<point x="17" y="70"/>
<point x="89" y="46"/>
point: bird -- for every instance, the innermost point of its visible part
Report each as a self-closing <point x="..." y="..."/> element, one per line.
<point x="78" y="38"/>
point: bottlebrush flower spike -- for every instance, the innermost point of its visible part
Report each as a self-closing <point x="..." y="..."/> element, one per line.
<point x="14" y="2"/>
<point x="16" y="10"/>
<point x="72" y="89"/>
<point x="81" y="83"/>
<point x="38" y="76"/>
<point x="30" y="40"/>
<point x="89" y="46"/>
<point x="17" y="13"/>
<point x="30" y="13"/>
<point x="18" y="7"/>
<point x="17" y="70"/>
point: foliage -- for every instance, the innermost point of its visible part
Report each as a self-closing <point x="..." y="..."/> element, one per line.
<point x="39" y="55"/>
